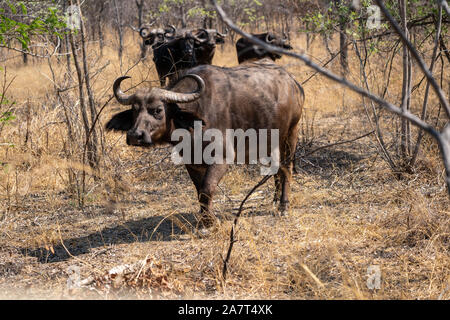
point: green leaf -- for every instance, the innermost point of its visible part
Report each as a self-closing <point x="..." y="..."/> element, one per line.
<point x="24" y="9"/>
<point x="12" y="7"/>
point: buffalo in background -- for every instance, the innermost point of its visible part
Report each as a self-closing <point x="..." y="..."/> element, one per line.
<point x="177" y="50"/>
<point x="248" y="51"/>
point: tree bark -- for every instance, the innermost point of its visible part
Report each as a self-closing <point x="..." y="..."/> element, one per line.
<point x="406" y="88"/>
<point x="140" y="7"/>
<point x="119" y="31"/>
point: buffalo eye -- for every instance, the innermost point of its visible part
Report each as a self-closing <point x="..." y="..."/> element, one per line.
<point x="156" y="112"/>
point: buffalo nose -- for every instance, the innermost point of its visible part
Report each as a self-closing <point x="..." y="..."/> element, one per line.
<point x="138" y="138"/>
<point x="134" y="137"/>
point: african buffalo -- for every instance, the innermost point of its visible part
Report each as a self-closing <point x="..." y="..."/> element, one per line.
<point x="259" y="95"/>
<point x="205" y="46"/>
<point x="171" y="57"/>
<point x="177" y="50"/>
<point x="247" y="51"/>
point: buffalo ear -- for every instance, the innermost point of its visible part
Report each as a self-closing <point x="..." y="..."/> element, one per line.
<point x="122" y="121"/>
<point x="185" y="119"/>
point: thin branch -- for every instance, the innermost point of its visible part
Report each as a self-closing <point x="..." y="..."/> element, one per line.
<point x="427" y="89"/>
<point x="236" y="219"/>
<point x="338" y="143"/>
<point x="416" y="56"/>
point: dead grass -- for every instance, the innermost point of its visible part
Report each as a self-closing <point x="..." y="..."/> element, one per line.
<point x="349" y="211"/>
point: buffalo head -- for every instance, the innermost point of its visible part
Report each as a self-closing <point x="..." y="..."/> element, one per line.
<point x="205" y="44"/>
<point x="153" y="112"/>
<point x="156" y="36"/>
<point x="210" y="36"/>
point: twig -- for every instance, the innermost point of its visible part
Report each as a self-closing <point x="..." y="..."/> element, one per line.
<point x="338" y="143"/>
<point x="416" y="56"/>
<point x="232" y="233"/>
<point x="326" y="63"/>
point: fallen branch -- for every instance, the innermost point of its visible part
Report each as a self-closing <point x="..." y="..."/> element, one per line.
<point x="338" y="143"/>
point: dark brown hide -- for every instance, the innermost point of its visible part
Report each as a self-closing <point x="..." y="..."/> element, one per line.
<point x="259" y="95"/>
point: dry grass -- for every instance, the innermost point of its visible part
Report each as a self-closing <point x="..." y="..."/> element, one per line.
<point x="349" y="211"/>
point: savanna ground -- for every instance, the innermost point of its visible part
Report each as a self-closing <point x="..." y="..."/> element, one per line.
<point x="349" y="211"/>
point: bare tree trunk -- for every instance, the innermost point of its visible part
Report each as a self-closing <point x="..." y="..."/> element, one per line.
<point x="183" y="17"/>
<point x="406" y="88"/>
<point x="343" y="49"/>
<point x="82" y="104"/>
<point x="427" y="90"/>
<point x="92" y="148"/>
<point x="205" y="19"/>
<point x="119" y="31"/>
<point x="140" y="7"/>
<point x="101" y="40"/>
<point x="87" y="83"/>
<point x="67" y="44"/>
<point x="326" y="40"/>
<point x="342" y="40"/>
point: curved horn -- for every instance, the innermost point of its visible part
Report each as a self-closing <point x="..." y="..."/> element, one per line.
<point x="196" y="38"/>
<point x="144" y="32"/>
<point x="168" y="33"/>
<point x="268" y="38"/>
<point x="121" y="97"/>
<point x="223" y="35"/>
<point x="178" y="97"/>
<point x="203" y="30"/>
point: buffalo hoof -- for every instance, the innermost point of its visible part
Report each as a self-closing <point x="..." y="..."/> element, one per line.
<point x="204" y="232"/>
<point x="207" y="221"/>
<point x="283" y="209"/>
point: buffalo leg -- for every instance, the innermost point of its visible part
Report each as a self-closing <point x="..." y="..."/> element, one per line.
<point x="196" y="173"/>
<point x="277" y="194"/>
<point x="213" y="175"/>
<point x="285" y="188"/>
<point x="161" y="74"/>
<point x="287" y="164"/>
